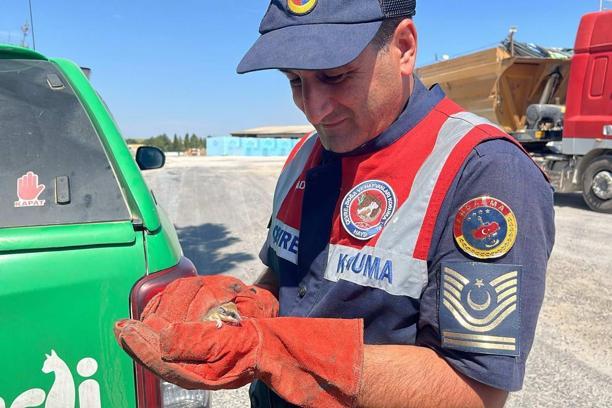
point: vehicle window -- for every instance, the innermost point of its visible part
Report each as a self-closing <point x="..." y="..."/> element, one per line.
<point x="53" y="168"/>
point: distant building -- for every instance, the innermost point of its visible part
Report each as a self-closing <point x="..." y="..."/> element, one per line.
<point x="292" y="132"/>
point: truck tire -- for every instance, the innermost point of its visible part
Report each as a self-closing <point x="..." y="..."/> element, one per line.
<point x="597" y="184"/>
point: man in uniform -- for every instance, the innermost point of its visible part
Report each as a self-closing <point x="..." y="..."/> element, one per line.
<point x="407" y="245"/>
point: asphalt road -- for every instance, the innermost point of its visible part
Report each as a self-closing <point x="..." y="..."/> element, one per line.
<point x="221" y="206"/>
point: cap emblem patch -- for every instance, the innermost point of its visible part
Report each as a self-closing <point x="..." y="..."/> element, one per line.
<point x="485" y="228"/>
<point x="367" y="208"/>
<point x="301" y="7"/>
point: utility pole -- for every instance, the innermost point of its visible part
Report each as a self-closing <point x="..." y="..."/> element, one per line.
<point x="32" y="24"/>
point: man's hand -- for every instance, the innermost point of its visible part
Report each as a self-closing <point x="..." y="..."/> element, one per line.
<point x="309" y="362"/>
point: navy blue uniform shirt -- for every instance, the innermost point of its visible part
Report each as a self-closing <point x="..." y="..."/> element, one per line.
<point x="495" y="168"/>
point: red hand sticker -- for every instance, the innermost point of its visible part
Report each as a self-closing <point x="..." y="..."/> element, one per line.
<point x="28" y="191"/>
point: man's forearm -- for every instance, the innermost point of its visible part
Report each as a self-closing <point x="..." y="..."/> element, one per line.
<point x="411" y="376"/>
<point x="267" y="280"/>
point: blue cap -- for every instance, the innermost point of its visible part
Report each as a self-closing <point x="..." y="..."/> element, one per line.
<point x="318" y="34"/>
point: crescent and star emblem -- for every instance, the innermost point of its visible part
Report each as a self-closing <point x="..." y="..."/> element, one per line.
<point x="475" y="321"/>
<point x="476" y="306"/>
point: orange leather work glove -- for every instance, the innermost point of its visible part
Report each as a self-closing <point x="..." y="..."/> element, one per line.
<point x="308" y="362"/>
<point x="189" y="299"/>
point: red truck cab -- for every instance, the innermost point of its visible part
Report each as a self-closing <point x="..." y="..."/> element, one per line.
<point x="587" y="131"/>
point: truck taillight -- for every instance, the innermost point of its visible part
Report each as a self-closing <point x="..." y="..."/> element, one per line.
<point x="148" y="387"/>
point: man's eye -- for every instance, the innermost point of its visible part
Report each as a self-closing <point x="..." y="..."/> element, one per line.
<point x="295" y="82"/>
<point x="335" y="79"/>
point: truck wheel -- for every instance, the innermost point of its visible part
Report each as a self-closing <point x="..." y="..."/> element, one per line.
<point x="597" y="184"/>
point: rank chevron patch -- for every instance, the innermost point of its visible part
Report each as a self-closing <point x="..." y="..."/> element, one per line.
<point x="479" y="307"/>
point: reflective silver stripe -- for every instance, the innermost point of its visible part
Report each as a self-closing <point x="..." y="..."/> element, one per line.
<point x="291" y="173"/>
<point x="285" y="181"/>
<point x="284" y="240"/>
<point x="405" y="225"/>
<point x="401" y="233"/>
<point x="377" y="268"/>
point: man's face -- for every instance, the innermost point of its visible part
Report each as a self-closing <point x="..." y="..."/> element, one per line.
<point x="354" y="103"/>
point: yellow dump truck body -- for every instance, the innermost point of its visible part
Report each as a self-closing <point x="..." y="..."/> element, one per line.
<point x="494" y="84"/>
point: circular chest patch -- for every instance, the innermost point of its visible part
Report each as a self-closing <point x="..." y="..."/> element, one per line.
<point x="367" y="208"/>
<point x="485" y="228"/>
<point x="301" y="7"/>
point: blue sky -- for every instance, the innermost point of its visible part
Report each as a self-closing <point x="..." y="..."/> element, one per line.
<point x="169" y="66"/>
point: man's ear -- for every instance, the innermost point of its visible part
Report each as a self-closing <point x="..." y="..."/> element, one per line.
<point x="405" y="39"/>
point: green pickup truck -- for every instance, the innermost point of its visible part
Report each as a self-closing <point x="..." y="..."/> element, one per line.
<point x="82" y="244"/>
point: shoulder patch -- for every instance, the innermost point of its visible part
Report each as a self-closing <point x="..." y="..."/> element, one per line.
<point x="479" y="307"/>
<point x="485" y="228"/>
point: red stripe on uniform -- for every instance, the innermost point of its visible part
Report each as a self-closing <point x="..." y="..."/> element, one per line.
<point x="413" y="149"/>
<point x="492" y="130"/>
<point x="447" y="175"/>
<point x="448" y="107"/>
<point x="290" y="211"/>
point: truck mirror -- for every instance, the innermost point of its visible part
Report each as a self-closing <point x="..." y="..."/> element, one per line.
<point x="149" y="157"/>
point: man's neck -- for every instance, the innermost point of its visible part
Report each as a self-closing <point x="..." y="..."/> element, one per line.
<point x="408" y="89"/>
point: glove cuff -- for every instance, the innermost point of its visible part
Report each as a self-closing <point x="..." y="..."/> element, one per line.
<point x="311" y="362"/>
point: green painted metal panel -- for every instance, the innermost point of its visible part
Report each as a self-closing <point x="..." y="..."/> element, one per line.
<point x="163" y="247"/>
<point x="63" y="286"/>
<point x="14" y="52"/>
<point x="66" y="300"/>
<point x="63" y="236"/>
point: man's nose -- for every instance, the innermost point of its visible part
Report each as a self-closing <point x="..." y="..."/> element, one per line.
<point x="317" y="102"/>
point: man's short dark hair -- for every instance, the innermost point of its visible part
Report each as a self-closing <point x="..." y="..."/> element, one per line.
<point x="385" y="32"/>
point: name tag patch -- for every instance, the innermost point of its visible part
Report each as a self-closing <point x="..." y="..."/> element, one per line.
<point x="372" y="267"/>
<point x="284" y="241"/>
<point x="479" y="307"/>
<point x="377" y="268"/>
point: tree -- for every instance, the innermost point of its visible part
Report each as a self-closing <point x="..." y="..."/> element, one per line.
<point x="161" y="141"/>
<point x="194" y="141"/>
<point x="201" y="144"/>
<point x="176" y="144"/>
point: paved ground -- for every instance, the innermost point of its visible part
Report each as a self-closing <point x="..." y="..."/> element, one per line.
<point x="221" y="206"/>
